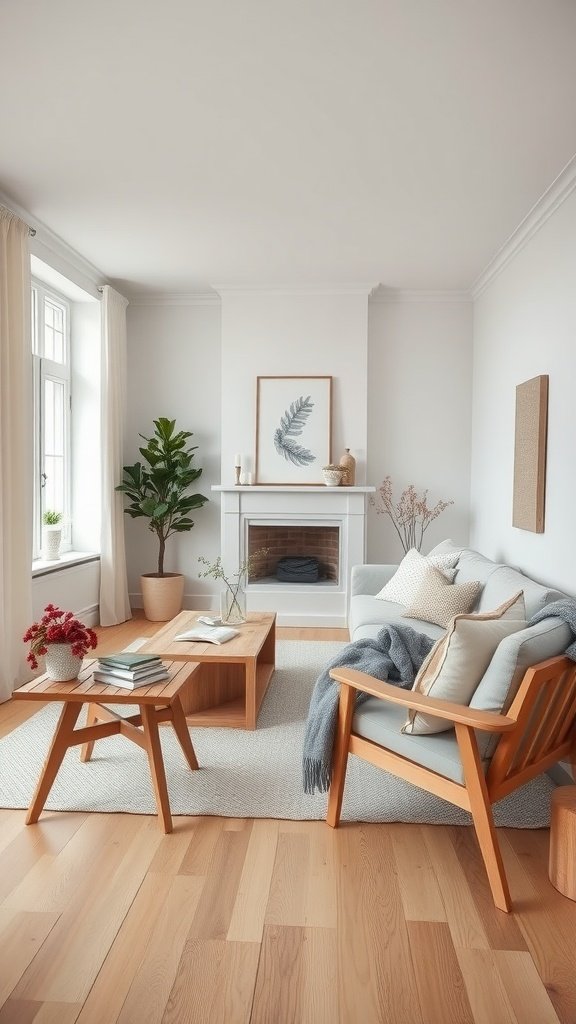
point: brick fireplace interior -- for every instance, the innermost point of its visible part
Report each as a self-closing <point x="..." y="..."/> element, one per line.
<point x="318" y="541"/>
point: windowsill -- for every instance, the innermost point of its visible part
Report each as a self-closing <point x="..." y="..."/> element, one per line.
<point x="67" y="560"/>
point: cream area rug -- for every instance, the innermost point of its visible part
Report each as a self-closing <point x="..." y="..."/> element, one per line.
<point x="242" y="774"/>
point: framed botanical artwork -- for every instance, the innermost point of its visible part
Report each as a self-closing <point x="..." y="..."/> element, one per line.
<point x="293" y="429"/>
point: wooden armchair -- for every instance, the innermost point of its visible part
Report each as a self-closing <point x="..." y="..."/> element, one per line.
<point x="537" y="731"/>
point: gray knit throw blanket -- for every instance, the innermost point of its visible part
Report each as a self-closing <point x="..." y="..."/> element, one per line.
<point x="394" y="656"/>
<point x="564" y="609"/>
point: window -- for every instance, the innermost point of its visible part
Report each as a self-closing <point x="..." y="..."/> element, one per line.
<point x="52" y="409"/>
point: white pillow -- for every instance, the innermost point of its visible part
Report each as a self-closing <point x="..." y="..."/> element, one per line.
<point x="459" y="659"/>
<point x="411" y="572"/>
<point x="437" y="600"/>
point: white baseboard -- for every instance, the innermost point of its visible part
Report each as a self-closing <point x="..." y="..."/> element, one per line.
<point x="90" y="616"/>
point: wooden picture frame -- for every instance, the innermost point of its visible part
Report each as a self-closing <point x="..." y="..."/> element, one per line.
<point x="530" y="454"/>
<point x="293" y="429"/>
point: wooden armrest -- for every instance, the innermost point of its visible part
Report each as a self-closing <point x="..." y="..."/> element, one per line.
<point x="488" y="721"/>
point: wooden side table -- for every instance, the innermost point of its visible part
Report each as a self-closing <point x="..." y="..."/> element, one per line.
<point x="562" y="863"/>
<point x="160" y="702"/>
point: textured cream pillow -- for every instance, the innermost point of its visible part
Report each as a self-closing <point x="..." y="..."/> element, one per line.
<point x="404" y="584"/>
<point x="458" y="660"/>
<point x="437" y="600"/>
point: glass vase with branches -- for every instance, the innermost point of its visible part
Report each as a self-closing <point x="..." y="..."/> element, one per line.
<point x="411" y="515"/>
<point x="234" y="582"/>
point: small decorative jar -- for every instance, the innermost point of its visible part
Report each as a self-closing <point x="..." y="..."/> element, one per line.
<point x="61" y="664"/>
<point x="332" y="475"/>
<point x="348" y="465"/>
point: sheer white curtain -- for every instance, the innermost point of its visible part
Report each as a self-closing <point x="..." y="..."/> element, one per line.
<point x="114" y="601"/>
<point x="16" y="458"/>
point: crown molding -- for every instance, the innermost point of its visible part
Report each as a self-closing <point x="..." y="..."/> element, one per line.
<point x="152" y="298"/>
<point x="549" y="202"/>
<point x="351" y="288"/>
<point x="387" y="296"/>
<point x="49" y="247"/>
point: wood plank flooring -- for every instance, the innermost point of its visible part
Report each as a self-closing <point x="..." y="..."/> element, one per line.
<point x="103" y="920"/>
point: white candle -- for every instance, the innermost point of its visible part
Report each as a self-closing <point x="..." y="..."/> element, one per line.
<point x="238" y="460"/>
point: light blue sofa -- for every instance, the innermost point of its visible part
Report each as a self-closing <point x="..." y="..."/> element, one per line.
<point x="498" y="686"/>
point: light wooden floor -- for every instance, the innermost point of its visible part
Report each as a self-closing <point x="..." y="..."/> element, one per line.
<point x="103" y="920"/>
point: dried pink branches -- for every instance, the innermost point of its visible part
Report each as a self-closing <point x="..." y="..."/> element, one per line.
<point x="411" y="516"/>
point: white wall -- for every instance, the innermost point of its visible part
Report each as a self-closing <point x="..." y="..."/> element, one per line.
<point x="525" y="325"/>
<point x="402" y="394"/>
<point x="75" y="588"/>
<point x="419" y="397"/>
<point x="286" y="334"/>
<point x="174" y="371"/>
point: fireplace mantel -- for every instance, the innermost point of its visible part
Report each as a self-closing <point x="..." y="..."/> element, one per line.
<point x="293" y="488"/>
<point x="324" y="604"/>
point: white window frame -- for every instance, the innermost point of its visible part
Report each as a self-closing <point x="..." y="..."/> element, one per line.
<point x="47" y="369"/>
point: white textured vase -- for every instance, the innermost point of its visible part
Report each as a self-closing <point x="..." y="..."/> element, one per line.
<point x="332" y="476"/>
<point x="51" y="538"/>
<point x="61" y="664"/>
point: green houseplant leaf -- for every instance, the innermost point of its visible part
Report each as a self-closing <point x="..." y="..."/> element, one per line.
<point x="156" y="489"/>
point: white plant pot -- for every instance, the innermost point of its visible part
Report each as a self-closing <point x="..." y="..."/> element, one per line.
<point x="51" y="539"/>
<point x="61" y="664"/>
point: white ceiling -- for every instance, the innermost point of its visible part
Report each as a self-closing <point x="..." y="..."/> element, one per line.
<point x="177" y="144"/>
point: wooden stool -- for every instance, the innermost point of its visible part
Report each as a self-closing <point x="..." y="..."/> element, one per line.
<point x="562" y="863"/>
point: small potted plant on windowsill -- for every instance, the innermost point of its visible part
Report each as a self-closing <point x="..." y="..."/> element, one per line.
<point x="158" y="490"/>
<point x="51" y="535"/>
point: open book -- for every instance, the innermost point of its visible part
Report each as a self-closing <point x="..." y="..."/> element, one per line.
<point x="209" y="634"/>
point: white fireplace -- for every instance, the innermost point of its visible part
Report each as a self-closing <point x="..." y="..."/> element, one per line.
<point x="328" y="522"/>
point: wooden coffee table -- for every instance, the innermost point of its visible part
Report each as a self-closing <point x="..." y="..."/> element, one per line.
<point x="160" y="702"/>
<point x="231" y="679"/>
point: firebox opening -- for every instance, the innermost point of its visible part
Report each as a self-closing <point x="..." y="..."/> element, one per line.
<point x="311" y="540"/>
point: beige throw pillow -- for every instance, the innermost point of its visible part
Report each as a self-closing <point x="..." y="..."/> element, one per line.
<point x="405" y="582"/>
<point x="437" y="600"/>
<point x="458" y="660"/>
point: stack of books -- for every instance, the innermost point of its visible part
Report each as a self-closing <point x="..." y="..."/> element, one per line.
<point x="130" y="670"/>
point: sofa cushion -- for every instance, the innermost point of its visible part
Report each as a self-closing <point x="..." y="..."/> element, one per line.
<point x="437" y="600"/>
<point x="381" y="722"/>
<point x="369" y="614"/>
<point x="499" y="684"/>
<point x="457" y="662"/>
<point x="506" y="581"/>
<point x="471" y="564"/>
<point x="410" y="574"/>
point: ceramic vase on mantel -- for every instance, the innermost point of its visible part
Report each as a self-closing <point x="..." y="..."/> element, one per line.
<point x="332" y="476"/>
<point x="348" y="464"/>
<point x="61" y="665"/>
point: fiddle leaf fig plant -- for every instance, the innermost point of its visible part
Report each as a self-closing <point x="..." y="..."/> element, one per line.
<point x="158" y="488"/>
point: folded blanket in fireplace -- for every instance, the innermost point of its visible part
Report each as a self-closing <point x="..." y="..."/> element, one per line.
<point x="298" y="569"/>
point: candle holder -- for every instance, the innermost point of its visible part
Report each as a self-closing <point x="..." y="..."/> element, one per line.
<point x="237" y="471"/>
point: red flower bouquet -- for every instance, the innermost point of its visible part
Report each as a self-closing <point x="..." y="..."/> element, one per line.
<point x="58" y="627"/>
